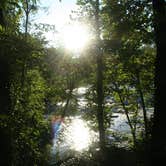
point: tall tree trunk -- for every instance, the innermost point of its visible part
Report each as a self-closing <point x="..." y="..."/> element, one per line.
<point x="158" y="150"/>
<point x="128" y="120"/>
<point x="67" y="103"/>
<point x="100" y="96"/>
<point x="143" y="105"/>
<point x="5" y="106"/>
<point x="27" y="11"/>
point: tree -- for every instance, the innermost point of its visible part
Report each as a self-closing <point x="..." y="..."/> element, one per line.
<point x="28" y="6"/>
<point x="158" y="136"/>
<point x="5" y="106"/>
<point x="25" y="133"/>
<point x="129" y="34"/>
<point x="99" y="81"/>
<point x="8" y="12"/>
<point x="91" y="9"/>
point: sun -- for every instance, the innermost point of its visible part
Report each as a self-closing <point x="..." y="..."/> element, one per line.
<point x="75" y="37"/>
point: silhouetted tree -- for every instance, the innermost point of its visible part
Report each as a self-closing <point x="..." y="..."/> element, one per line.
<point x="158" y="151"/>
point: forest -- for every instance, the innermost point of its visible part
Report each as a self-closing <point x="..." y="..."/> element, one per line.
<point x="94" y="99"/>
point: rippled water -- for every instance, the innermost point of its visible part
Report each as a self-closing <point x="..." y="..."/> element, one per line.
<point x="74" y="133"/>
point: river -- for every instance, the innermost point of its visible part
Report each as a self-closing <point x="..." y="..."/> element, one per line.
<point x="74" y="134"/>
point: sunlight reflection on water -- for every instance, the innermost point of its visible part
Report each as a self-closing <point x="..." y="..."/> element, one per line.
<point x="74" y="135"/>
<point x="78" y="135"/>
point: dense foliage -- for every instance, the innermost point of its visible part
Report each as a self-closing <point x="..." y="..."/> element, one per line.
<point x="25" y="131"/>
<point x="38" y="82"/>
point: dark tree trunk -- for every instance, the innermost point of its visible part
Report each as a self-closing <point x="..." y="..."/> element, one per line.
<point x="67" y="103"/>
<point x="100" y="112"/>
<point x="100" y="96"/>
<point x="27" y="11"/>
<point x="143" y="105"/>
<point x="2" y="19"/>
<point x="5" y="103"/>
<point x="158" y="151"/>
<point x="133" y="130"/>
